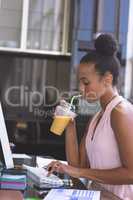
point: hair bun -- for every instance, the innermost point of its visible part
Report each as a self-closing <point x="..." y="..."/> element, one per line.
<point x="106" y="45"/>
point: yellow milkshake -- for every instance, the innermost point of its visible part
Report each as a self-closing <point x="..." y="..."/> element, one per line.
<point x="59" y="124"/>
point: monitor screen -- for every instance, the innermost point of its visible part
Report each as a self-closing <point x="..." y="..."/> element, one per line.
<point x="4" y="143"/>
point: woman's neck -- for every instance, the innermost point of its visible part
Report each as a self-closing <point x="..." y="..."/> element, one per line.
<point x="108" y="97"/>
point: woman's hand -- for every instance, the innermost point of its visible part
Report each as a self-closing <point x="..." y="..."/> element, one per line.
<point x="57" y="166"/>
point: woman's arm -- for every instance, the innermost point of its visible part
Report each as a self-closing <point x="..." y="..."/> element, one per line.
<point x="71" y="145"/>
<point x="76" y="154"/>
<point x="84" y="162"/>
<point x="116" y="176"/>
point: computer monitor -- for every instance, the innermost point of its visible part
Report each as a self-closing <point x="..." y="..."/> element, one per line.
<point x="4" y="141"/>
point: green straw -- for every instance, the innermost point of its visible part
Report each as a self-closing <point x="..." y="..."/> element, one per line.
<point x="74" y="97"/>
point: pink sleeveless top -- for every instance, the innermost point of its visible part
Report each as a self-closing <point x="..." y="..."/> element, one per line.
<point x="102" y="150"/>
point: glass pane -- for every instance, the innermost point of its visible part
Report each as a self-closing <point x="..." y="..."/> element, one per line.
<point x="10" y="23"/>
<point x="32" y="85"/>
<point x="45" y="24"/>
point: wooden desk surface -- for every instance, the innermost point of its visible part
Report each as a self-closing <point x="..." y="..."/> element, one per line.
<point x="10" y="195"/>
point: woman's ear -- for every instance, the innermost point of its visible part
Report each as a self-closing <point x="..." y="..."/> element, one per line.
<point x="108" y="79"/>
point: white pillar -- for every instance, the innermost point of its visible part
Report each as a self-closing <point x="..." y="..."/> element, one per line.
<point x="129" y="54"/>
<point x="24" y="25"/>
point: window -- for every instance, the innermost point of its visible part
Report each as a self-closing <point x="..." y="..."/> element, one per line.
<point x="10" y="23"/>
<point x="35" y="25"/>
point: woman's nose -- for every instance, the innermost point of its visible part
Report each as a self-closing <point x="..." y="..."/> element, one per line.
<point x="82" y="89"/>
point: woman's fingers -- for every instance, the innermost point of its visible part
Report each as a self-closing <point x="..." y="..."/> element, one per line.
<point x="50" y="165"/>
<point x="56" y="166"/>
<point x="53" y="167"/>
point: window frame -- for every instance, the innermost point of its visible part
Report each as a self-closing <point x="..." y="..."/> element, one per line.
<point x="24" y="31"/>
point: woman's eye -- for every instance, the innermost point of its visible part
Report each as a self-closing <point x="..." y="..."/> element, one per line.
<point x="86" y="83"/>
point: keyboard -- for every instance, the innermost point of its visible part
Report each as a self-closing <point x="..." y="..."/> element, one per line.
<point x="40" y="178"/>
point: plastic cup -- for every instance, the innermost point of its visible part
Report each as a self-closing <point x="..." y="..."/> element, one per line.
<point x="59" y="124"/>
<point x="63" y="115"/>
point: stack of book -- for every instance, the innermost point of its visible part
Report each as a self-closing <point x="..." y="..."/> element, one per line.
<point x="16" y="182"/>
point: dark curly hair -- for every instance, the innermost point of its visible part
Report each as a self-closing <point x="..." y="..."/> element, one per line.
<point x="104" y="56"/>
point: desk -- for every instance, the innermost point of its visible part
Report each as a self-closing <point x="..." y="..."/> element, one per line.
<point x="77" y="184"/>
<point x="16" y="195"/>
<point x="105" y="195"/>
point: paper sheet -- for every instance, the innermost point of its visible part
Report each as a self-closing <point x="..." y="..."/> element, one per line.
<point x="41" y="162"/>
<point x="24" y="156"/>
<point x="72" y="194"/>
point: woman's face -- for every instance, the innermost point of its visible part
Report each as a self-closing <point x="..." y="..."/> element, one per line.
<point x="91" y="83"/>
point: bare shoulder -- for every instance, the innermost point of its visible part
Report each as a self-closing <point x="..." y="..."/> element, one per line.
<point x="122" y="125"/>
<point x="122" y="115"/>
<point x="125" y="108"/>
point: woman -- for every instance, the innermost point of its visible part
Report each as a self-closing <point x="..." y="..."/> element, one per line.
<point x="105" y="154"/>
